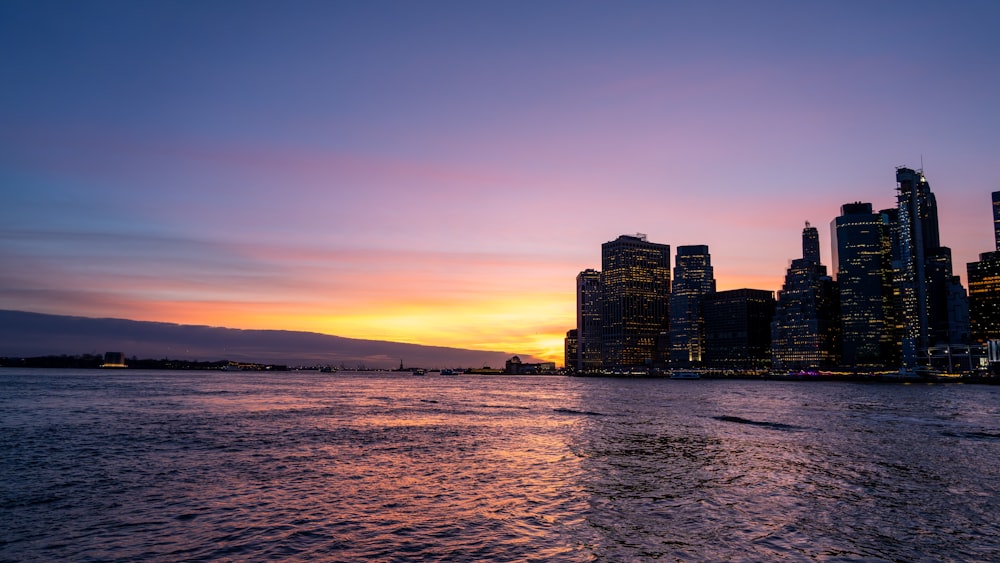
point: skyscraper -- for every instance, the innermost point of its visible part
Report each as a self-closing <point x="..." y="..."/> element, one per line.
<point x="805" y="330"/>
<point x="570" y="352"/>
<point x="693" y="280"/>
<point x="635" y="282"/>
<point x="984" y="288"/>
<point x="996" y="218"/>
<point x="930" y="300"/>
<point x="984" y="297"/>
<point x="588" y="321"/>
<point x="810" y="243"/>
<point x="861" y="256"/>
<point x="738" y="329"/>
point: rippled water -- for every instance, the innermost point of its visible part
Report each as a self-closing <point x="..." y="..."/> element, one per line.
<point x="168" y="466"/>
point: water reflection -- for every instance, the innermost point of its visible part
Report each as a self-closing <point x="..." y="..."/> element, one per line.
<point x="174" y="466"/>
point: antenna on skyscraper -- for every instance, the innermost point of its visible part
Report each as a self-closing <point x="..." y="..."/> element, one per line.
<point x="921" y="163"/>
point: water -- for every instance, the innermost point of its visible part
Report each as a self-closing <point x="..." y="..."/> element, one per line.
<point x="222" y="466"/>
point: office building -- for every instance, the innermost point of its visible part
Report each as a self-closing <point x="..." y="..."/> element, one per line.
<point x="996" y="218"/>
<point x="570" y="345"/>
<point x="635" y="283"/>
<point x="588" y="321"/>
<point x="805" y="329"/>
<point x="738" y="330"/>
<point x="693" y="280"/>
<point x="810" y="243"/>
<point x="984" y="297"/>
<point x="930" y="303"/>
<point x="862" y="261"/>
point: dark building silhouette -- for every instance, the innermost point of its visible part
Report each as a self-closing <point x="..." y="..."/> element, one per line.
<point x="862" y="259"/>
<point x="805" y="330"/>
<point x="996" y="218"/>
<point x="932" y="307"/>
<point x="635" y="282"/>
<point x="693" y="280"/>
<point x="738" y="329"/>
<point x="570" y="352"/>
<point x="588" y="321"/>
<point x="810" y="243"/>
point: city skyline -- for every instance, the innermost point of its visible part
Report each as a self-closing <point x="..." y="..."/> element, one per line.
<point x="438" y="173"/>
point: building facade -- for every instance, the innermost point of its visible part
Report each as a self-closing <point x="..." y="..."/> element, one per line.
<point x="996" y="218"/>
<point x="570" y="349"/>
<point x="635" y="283"/>
<point x="805" y="329"/>
<point x="984" y="297"/>
<point x="862" y="262"/>
<point x="588" y="321"/>
<point x="932" y="308"/>
<point x="693" y="280"/>
<point x="738" y="330"/>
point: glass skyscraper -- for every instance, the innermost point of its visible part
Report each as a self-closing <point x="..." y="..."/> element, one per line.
<point x="930" y="297"/>
<point x="693" y="280"/>
<point x="861" y="257"/>
<point x="588" y="321"/>
<point x="635" y="282"/>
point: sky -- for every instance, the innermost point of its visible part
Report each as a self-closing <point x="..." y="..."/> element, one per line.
<point x="439" y="172"/>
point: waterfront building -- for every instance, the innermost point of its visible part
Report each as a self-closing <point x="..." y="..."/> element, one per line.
<point x="515" y="366"/>
<point x="805" y="329"/>
<point x="984" y="289"/>
<point x="570" y="351"/>
<point x="635" y="283"/>
<point x="693" y="280"/>
<point x="931" y="306"/>
<point x="984" y="297"/>
<point x="738" y="330"/>
<point x="588" y="321"/>
<point x="862" y="262"/>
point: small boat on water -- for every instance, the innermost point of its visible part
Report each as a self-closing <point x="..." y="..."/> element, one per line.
<point x="447" y="372"/>
<point x="419" y="371"/>
<point x="685" y="375"/>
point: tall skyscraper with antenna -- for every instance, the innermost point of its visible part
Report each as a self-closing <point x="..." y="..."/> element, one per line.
<point x="934" y="309"/>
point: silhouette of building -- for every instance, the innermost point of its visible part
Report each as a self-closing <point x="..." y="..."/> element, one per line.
<point x="805" y="330"/>
<point x="862" y="259"/>
<point x="738" y="329"/>
<point x="810" y="243"/>
<point x="635" y="282"/>
<point x="515" y="366"/>
<point x="693" y="280"/>
<point x="996" y="218"/>
<point x="932" y="307"/>
<point x="588" y="321"/>
<point x="570" y="349"/>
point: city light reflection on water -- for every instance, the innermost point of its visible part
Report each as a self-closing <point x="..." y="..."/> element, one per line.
<point x="164" y="466"/>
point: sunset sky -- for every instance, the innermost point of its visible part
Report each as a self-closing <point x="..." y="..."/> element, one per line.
<point x="439" y="172"/>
